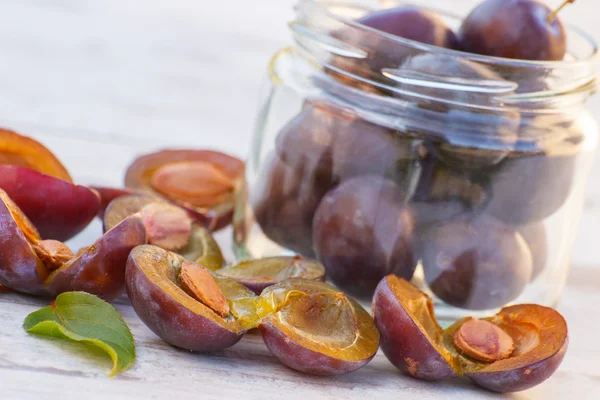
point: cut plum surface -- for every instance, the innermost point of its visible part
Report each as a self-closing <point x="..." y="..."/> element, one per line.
<point x="314" y="328"/>
<point x="31" y="265"/>
<point x="261" y="273"/>
<point x="154" y="286"/>
<point x="58" y="208"/>
<point x="519" y="347"/>
<point x="202" y="181"/>
<point x="23" y="151"/>
<point x="167" y="225"/>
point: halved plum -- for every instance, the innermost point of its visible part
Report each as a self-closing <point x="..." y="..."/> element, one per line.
<point x="57" y="208"/>
<point x="410" y="336"/>
<point x="160" y="298"/>
<point x="314" y="328"/>
<point x="202" y="181"/>
<point x="167" y="226"/>
<point x="516" y="349"/>
<point x="540" y="337"/>
<point x="23" y="151"/>
<point x="258" y="274"/>
<point x="284" y="203"/>
<point x="31" y="265"/>
<point x="309" y="325"/>
<point x="362" y="231"/>
<point x="100" y="268"/>
<point x="203" y="249"/>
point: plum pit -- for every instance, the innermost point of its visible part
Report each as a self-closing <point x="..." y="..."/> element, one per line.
<point x="518" y="348"/>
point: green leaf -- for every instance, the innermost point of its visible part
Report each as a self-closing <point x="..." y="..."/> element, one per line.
<point x="85" y="318"/>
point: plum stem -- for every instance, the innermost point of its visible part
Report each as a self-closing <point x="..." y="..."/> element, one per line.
<point x="552" y="16"/>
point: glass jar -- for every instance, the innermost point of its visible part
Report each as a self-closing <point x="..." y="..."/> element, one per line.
<point x="380" y="155"/>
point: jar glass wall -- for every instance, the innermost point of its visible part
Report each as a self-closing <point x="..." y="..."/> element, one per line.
<point x="463" y="173"/>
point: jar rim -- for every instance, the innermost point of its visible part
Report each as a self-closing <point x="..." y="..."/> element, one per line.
<point x="593" y="57"/>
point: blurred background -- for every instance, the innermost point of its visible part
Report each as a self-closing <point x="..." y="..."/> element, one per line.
<point x="100" y="81"/>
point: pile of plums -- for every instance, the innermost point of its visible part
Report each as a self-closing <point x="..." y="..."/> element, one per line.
<point x="464" y="188"/>
<point x="159" y="247"/>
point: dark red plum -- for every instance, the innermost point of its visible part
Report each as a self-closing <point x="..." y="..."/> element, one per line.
<point x="518" y="29"/>
<point x="537" y="238"/>
<point x="202" y="181"/>
<point x="519" y="347"/>
<point x="336" y="144"/>
<point x="363" y="231"/>
<point x="476" y="262"/>
<point x="528" y="187"/>
<point x="57" y="208"/>
<point x="284" y="203"/>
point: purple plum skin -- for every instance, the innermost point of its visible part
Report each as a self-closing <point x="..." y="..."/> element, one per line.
<point x="523" y="378"/>
<point x="402" y="342"/>
<point x="299" y="358"/>
<point x="100" y="270"/>
<point x="170" y="320"/>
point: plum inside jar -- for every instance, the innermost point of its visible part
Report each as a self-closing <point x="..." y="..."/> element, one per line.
<point x="459" y="172"/>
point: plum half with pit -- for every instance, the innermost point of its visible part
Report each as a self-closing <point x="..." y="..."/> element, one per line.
<point x="316" y="329"/>
<point x="476" y="262"/>
<point x="184" y="303"/>
<point x="363" y="231"/>
<point x="58" y="209"/>
<point x="284" y="203"/>
<point x="261" y="273"/>
<point x="202" y="181"/>
<point x="518" y="348"/>
<point x="31" y="265"/>
<point x="527" y="187"/>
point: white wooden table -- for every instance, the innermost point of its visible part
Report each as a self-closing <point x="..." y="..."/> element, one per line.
<point x="100" y="81"/>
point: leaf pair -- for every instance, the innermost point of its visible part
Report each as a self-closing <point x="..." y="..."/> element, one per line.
<point x="85" y="318"/>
